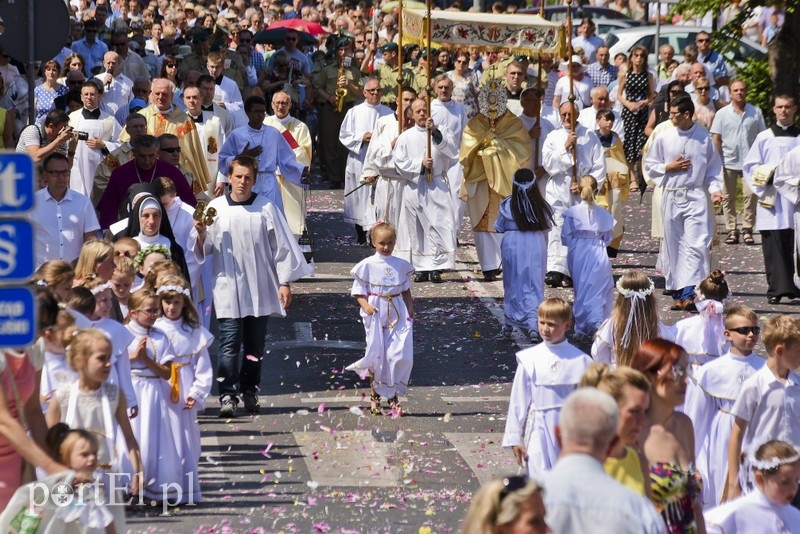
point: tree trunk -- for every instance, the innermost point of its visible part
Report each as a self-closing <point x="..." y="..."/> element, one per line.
<point x="784" y="56"/>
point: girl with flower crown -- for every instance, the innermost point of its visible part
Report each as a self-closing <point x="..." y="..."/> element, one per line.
<point x="703" y="336"/>
<point x="776" y="471"/>
<point x="524" y="219"/>
<point x="190" y="379"/>
<point x="634" y="320"/>
<point x="586" y="232"/>
<point x="146" y="258"/>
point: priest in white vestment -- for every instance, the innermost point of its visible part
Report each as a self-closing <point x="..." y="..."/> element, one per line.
<point x="268" y="146"/>
<point x="379" y="165"/>
<point x="538" y="129"/>
<point x="209" y="128"/>
<point x="296" y="133"/>
<point x="427" y="195"/>
<point x="255" y="257"/>
<point x="685" y="163"/>
<point x="451" y="118"/>
<point x="102" y="134"/>
<point x="355" y="133"/>
<point x="561" y="191"/>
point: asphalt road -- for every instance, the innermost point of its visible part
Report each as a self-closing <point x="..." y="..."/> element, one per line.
<point x="314" y="460"/>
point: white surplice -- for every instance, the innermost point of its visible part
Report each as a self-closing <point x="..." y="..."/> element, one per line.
<point x="753" y="513"/>
<point x="87" y="159"/>
<point x="452" y="117"/>
<point x="429" y="203"/>
<point x="359" y="120"/>
<point x="709" y="398"/>
<point x="558" y="162"/>
<point x="388" y="202"/>
<point x="546" y="374"/>
<point x="768" y="149"/>
<point x="684" y="208"/>
<point x="253" y="251"/>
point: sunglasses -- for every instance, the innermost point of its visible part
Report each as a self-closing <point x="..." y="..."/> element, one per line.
<point x="512" y="484"/>
<point x="291" y="38"/>
<point x="172" y="150"/>
<point x="701" y="40"/>
<point x="745" y="330"/>
<point x="677" y="373"/>
<point x="702" y="88"/>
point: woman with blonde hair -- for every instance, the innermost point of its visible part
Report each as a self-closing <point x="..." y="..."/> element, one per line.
<point x="631" y="390"/>
<point x="508" y="505"/>
<point x="634" y="320"/>
<point x="97" y="257"/>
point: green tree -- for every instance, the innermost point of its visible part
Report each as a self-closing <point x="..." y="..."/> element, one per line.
<point x="784" y="50"/>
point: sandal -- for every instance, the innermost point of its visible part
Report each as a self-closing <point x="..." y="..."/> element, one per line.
<point x="733" y="238"/>
<point x="394" y="404"/>
<point x="375" y="404"/>
<point x="747" y="237"/>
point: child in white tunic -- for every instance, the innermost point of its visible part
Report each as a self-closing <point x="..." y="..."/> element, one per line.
<point x="382" y="287"/>
<point x="768" y="406"/>
<point x="710" y="395"/>
<point x="151" y="357"/>
<point x="776" y="470"/>
<point x="703" y="336"/>
<point x="92" y="403"/>
<point x="634" y="320"/>
<point x="546" y="374"/>
<point x="586" y="232"/>
<point x="56" y="371"/>
<point x="524" y="219"/>
<point x="191" y="379"/>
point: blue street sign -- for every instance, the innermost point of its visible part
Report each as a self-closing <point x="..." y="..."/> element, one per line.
<point x="16" y="251"/>
<point x="16" y="183"/>
<point x="17" y="317"/>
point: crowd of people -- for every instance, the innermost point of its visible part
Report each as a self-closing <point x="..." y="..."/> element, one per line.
<point x="175" y="154"/>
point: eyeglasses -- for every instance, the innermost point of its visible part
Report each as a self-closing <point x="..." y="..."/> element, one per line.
<point x="677" y="373"/>
<point x="172" y="150"/>
<point x="512" y="484"/>
<point x="282" y="102"/>
<point x="702" y="88"/>
<point x="150" y="311"/>
<point x="65" y="172"/>
<point x="702" y="40"/>
<point x="372" y="91"/>
<point x="746" y="330"/>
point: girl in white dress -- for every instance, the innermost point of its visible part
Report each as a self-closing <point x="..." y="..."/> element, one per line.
<point x="703" y="336"/>
<point x="191" y="379"/>
<point x="634" y="320"/>
<point x="776" y="471"/>
<point x="382" y="287"/>
<point x="56" y="371"/>
<point x="151" y="357"/>
<point x="586" y="232"/>
<point x="710" y="395"/>
<point x="92" y="403"/>
<point x="546" y="374"/>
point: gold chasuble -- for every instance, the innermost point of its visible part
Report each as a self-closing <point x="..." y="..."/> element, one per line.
<point x="492" y="150"/>
<point x="178" y="123"/>
<point x="616" y="174"/>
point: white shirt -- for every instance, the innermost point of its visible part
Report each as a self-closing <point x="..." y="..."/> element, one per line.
<point x="60" y="225"/>
<point x="580" y="497"/>
<point x="737" y="132"/>
<point x="770" y="406"/>
<point x="118" y="94"/>
<point x="753" y="513"/>
<point x="588" y="119"/>
<point x="582" y="89"/>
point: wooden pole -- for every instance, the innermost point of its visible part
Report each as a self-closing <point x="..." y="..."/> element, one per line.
<point x="429" y="88"/>
<point x="571" y="92"/>
<point x="539" y="107"/>
<point x="400" y="117"/>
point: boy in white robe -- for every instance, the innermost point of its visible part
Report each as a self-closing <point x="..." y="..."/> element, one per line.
<point x="427" y="194"/>
<point x="546" y="374"/>
<point x="685" y="163"/>
<point x="355" y="133"/>
<point x="711" y="394"/>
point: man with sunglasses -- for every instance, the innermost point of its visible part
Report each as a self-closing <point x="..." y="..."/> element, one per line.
<point x="90" y="47"/>
<point x="711" y="58"/>
<point x="131" y="64"/>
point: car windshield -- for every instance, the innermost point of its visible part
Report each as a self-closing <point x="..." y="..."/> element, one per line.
<point x="611" y="39"/>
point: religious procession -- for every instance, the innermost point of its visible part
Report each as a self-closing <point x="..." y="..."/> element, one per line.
<point x="179" y="148"/>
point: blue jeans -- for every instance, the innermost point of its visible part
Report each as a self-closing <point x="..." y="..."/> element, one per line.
<point x="683" y="294"/>
<point x="246" y="333"/>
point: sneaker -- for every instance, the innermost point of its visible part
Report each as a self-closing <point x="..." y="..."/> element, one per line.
<point x="508" y="331"/>
<point x="251" y="404"/>
<point x="436" y="277"/>
<point x="534" y="336"/>
<point x="227" y="408"/>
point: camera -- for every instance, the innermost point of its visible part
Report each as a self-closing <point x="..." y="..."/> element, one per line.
<point x="83" y="136"/>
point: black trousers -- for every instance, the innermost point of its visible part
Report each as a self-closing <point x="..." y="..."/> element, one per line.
<point x="778" y="248"/>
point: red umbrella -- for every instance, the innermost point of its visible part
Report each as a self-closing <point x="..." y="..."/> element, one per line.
<point x="307" y="26"/>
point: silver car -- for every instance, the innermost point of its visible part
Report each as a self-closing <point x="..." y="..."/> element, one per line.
<point x="677" y="36"/>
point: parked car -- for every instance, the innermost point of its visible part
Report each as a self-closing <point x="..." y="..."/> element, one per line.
<point x="677" y="36"/>
<point x="559" y="14"/>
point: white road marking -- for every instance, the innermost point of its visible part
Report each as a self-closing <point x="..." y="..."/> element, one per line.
<point x="346" y="400"/>
<point x="476" y="399"/>
<point x="347" y="459"/>
<point x="483" y="454"/>
<point x="304" y="337"/>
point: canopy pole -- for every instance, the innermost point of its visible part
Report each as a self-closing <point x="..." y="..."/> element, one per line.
<point x="429" y="88"/>
<point x="539" y="95"/>
<point x="400" y="117"/>
<point x="571" y="92"/>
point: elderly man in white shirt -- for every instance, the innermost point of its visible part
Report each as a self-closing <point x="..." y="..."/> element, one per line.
<point x="579" y="495"/>
<point x="63" y="219"/>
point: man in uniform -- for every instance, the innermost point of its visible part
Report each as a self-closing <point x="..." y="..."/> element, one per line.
<point x="388" y="72"/>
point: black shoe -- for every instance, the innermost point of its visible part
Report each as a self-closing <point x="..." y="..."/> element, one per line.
<point x="611" y="252"/>
<point x="227" y="408"/>
<point x="491" y="275"/>
<point x="774" y="300"/>
<point x="436" y="277"/>
<point x="422" y="276"/>
<point x="251" y="404"/>
<point x="553" y="279"/>
<point x="566" y="281"/>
